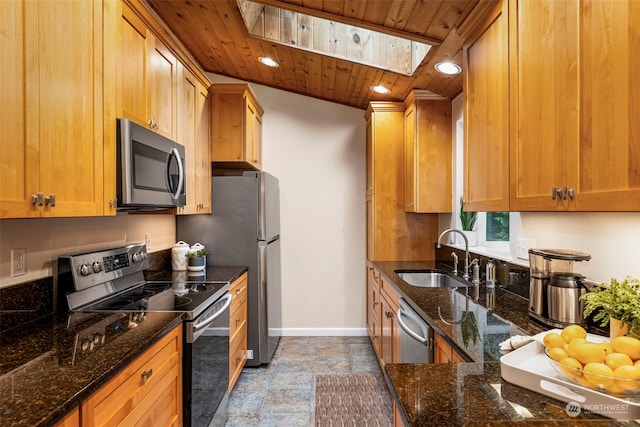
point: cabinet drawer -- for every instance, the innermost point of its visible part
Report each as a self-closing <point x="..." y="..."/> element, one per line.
<point x="237" y="354"/>
<point x="389" y="291"/>
<point x="238" y="286"/>
<point x="119" y="398"/>
<point x="238" y="315"/>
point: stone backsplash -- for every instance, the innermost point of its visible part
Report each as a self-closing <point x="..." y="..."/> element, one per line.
<point x="512" y="277"/>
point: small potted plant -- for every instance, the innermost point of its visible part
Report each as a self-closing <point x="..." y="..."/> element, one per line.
<point x="615" y="303"/>
<point x="197" y="258"/>
<point x="468" y="221"/>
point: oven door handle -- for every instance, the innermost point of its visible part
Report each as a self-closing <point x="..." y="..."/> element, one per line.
<point x="203" y="324"/>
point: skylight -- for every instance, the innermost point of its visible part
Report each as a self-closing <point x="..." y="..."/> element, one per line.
<point x="332" y="38"/>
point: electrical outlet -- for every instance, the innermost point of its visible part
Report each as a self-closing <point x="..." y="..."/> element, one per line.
<point x="147" y="241"/>
<point x="250" y="354"/>
<point x="523" y="246"/>
<point x="18" y="262"/>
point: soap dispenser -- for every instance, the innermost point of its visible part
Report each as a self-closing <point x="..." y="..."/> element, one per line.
<point x="491" y="274"/>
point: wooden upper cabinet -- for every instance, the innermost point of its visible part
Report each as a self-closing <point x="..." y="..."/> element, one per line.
<point x="575" y="133"/>
<point x="236" y="127"/>
<point x="193" y="132"/>
<point x="52" y="109"/>
<point x="203" y="149"/>
<point x="392" y="234"/>
<point x="486" y="115"/>
<point x="607" y="154"/>
<point x="148" y="76"/>
<point x="427" y="153"/>
<point x="544" y="99"/>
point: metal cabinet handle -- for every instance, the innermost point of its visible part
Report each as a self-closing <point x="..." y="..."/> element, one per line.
<point x="570" y="193"/>
<point x="50" y="201"/>
<point x="554" y="193"/>
<point x="146" y="375"/>
<point x="37" y="199"/>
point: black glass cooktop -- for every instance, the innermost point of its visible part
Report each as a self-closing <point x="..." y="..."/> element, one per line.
<point x="187" y="297"/>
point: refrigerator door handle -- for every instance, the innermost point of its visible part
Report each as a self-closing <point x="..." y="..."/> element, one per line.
<point x="262" y="214"/>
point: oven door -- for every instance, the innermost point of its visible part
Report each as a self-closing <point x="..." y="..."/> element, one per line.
<point x="206" y="367"/>
<point x="151" y="169"/>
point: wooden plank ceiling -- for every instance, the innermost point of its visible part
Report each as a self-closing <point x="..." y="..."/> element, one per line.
<point x="217" y="36"/>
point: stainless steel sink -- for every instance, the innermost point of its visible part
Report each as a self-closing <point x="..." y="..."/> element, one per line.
<point x="431" y="279"/>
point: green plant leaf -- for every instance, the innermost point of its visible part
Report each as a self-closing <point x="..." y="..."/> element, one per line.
<point x="618" y="299"/>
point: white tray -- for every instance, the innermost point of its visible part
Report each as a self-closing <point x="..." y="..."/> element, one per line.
<point x="529" y="367"/>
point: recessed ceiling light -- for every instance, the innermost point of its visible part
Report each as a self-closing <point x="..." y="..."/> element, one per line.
<point x="268" y="61"/>
<point x="447" y="68"/>
<point x="380" y="89"/>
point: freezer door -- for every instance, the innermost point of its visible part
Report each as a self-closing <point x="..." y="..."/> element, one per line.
<point x="270" y="295"/>
<point x="268" y="206"/>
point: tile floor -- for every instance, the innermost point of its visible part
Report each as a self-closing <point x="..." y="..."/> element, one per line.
<point x="282" y="394"/>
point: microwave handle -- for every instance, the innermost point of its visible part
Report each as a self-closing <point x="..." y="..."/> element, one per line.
<point x="174" y="152"/>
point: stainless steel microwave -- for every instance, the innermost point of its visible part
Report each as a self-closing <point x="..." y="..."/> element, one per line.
<point x="150" y="170"/>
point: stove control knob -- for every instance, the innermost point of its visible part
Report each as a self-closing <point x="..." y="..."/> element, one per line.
<point x="85" y="270"/>
<point x="97" y="267"/>
<point x="139" y="257"/>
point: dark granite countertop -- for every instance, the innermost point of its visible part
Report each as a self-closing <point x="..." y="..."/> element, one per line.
<point x="41" y="377"/>
<point x="473" y="393"/>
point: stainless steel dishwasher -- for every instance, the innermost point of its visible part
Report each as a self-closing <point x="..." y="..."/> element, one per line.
<point x="416" y="336"/>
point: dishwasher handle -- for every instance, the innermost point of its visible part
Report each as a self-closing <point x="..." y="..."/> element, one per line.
<point x="402" y="313"/>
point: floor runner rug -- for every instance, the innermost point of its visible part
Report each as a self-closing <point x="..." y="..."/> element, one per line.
<point x="357" y="400"/>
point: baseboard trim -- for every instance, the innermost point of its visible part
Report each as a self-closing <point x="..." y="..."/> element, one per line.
<point x="324" y="332"/>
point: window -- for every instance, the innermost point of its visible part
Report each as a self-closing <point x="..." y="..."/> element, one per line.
<point x="497" y="227"/>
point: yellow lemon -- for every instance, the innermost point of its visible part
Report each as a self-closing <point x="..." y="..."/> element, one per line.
<point x="615" y="360"/>
<point x="627" y="345"/>
<point x="573" y="331"/>
<point x="628" y="377"/>
<point x="615" y="388"/>
<point x="607" y="347"/>
<point x="557" y="353"/>
<point x="583" y="382"/>
<point x="571" y="367"/>
<point x="636" y="363"/>
<point x="588" y="352"/>
<point x="553" y="340"/>
<point x="598" y="374"/>
<point x="572" y="348"/>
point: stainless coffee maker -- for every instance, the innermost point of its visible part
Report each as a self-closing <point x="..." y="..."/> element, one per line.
<point x="555" y="290"/>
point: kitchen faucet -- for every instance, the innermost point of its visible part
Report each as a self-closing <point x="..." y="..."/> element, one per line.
<point x="466" y="249"/>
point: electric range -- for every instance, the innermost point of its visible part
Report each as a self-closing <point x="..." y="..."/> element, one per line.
<point x="112" y="281"/>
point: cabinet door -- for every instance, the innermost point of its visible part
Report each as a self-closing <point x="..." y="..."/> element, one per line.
<point x="162" y="88"/>
<point x="604" y="163"/>
<point x="486" y="120"/>
<point x="188" y="91"/>
<point x="203" y="146"/>
<point x="133" y="58"/>
<point x="251" y="137"/>
<point x="544" y="94"/>
<point x="410" y="159"/>
<point x="70" y="119"/>
<point x="428" y="168"/>
<point x="18" y="153"/>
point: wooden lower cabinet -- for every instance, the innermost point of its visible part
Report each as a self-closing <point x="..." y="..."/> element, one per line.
<point x="443" y="352"/>
<point x="147" y="392"/>
<point x="237" y="329"/>
<point x="382" y="306"/>
<point x="71" y="420"/>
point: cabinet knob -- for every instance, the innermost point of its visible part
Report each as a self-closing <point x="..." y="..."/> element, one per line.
<point x="147" y="374"/>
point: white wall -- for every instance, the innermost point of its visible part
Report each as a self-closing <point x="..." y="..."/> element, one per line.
<point x="317" y="151"/>
<point x="612" y="238"/>
<point x="47" y="238"/>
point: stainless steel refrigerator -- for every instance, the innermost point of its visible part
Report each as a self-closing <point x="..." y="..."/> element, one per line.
<point x="244" y="229"/>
